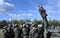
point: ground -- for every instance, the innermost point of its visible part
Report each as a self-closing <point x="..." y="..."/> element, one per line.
<point x="1" y="34"/>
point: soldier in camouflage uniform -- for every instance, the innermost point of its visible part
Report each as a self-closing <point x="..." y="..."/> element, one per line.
<point x="25" y="31"/>
<point x="40" y="31"/>
<point x="11" y="33"/>
<point x="5" y="31"/>
<point x="33" y="32"/>
<point x="18" y="31"/>
<point x="49" y="34"/>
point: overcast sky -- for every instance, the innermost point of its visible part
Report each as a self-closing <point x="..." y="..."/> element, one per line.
<point x="28" y="9"/>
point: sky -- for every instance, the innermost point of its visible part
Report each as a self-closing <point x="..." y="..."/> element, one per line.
<point x="29" y="9"/>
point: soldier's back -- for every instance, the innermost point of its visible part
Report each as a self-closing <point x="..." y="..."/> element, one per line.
<point x="33" y="34"/>
<point x="25" y="32"/>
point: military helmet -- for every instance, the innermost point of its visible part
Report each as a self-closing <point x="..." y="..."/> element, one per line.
<point x="40" y="25"/>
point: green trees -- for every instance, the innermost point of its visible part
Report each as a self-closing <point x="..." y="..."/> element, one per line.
<point x="37" y="21"/>
<point x="54" y="22"/>
<point x="14" y="21"/>
<point x="3" y="23"/>
<point x="21" y="22"/>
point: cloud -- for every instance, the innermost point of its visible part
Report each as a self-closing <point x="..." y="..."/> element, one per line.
<point x="5" y="6"/>
<point x="20" y="16"/>
<point x="30" y="14"/>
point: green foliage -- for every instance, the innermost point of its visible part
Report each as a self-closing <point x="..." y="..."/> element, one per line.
<point x="14" y="21"/>
<point x="21" y="22"/>
<point x="54" y="22"/>
<point x="27" y="20"/>
<point x="3" y="23"/>
<point x="37" y="21"/>
<point x="59" y="32"/>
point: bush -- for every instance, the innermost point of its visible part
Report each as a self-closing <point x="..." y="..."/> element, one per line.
<point x="59" y="32"/>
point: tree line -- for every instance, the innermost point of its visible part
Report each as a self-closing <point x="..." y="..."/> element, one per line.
<point x="35" y="21"/>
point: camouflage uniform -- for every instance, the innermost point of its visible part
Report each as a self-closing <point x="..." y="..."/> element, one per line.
<point x="25" y="31"/>
<point x="49" y="34"/>
<point x="18" y="32"/>
<point x="33" y="32"/>
<point x="5" y="31"/>
<point x="41" y="32"/>
<point x="11" y="33"/>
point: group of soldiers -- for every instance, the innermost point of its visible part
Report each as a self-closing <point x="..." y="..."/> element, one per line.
<point x="24" y="31"/>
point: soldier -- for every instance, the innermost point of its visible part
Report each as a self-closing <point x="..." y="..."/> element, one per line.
<point x="11" y="33"/>
<point x="25" y="31"/>
<point x="49" y="34"/>
<point x="28" y="29"/>
<point x="18" y="31"/>
<point x="33" y="32"/>
<point x="31" y="26"/>
<point x="5" y="31"/>
<point x="40" y="31"/>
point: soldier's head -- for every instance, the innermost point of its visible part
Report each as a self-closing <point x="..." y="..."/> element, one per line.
<point x="34" y="27"/>
<point x="40" y="6"/>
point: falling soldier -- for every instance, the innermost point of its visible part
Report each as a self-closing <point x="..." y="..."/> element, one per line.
<point x="44" y="17"/>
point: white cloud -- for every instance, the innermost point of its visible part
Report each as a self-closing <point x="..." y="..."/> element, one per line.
<point x="34" y="11"/>
<point x="5" y="6"/>
<point x="20" y="16"/>
<point x="29" y="14"/>
<point x="14" y="16"/>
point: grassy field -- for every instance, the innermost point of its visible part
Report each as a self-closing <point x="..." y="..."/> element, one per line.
<point x="1" y="34"/>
